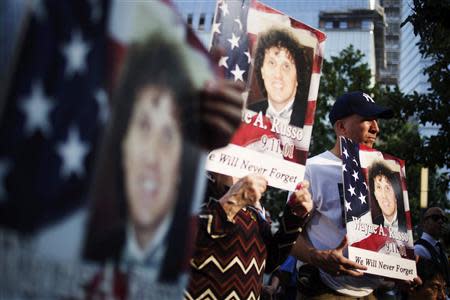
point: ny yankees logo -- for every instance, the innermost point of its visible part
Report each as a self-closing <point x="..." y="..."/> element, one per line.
<point x="368" y="98"/>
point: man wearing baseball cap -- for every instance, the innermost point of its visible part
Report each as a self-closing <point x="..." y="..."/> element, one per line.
<point x="329" y="273"/>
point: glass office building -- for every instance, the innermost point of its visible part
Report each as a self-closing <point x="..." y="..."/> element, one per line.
<point x="357" y="22"/>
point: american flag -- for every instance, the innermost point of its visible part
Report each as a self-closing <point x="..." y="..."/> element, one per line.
<point x="356" y="199"/>
<point x="229" y="31"/>
<point x="53" y="112"/>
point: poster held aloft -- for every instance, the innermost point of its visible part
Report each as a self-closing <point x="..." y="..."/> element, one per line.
<point x="279" y="60"/>
<point x="377" y="214"/>
<point x="119" y="234"/>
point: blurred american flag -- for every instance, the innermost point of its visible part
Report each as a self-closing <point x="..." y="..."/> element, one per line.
<point x="52" y="113"/>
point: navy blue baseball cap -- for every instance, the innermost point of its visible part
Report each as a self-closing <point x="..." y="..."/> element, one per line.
<point x="358" y="103"/>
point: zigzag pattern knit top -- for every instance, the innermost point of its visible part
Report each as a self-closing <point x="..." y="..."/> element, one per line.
<point x="230" y="257"/>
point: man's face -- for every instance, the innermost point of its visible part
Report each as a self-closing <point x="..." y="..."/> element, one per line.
<point x="280" y="76"/>
<point x="385" y="196"/>
<point x="433" y="289"/>
<point x="360" y="129"/>
<point x="434" y="222"/>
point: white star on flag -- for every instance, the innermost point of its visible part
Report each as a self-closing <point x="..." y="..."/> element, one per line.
<point x="37" y="108"/>
<point x="352" y="191"/>
<point x="234" y="41"/>
<point x="239" y="23"/>
<point x="354" y="160"/>
<point x="344" y="168"/>
<point x="365" y="184"/>
<point x="348" y="206"/>
<point x="223" y="62"/>
<point x="362" y="198"/>
<point x="238" y="73"/>
<point x="215" y="28"/>
<point x="103" y="106"/>
<point x="72" y="152"/>
<point x="345" y="153"/>
<point x="75" y="52"/>
<point x="247" y="53"/>
<point x="355" y="175"/>
<point x="224" y="8"/>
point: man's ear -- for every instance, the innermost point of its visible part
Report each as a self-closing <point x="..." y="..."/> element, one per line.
<point x="340" y="128"/>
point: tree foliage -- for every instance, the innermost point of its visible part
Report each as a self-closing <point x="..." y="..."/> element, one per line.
<point x="431" y="23"/>
<point x="341" y="74"/>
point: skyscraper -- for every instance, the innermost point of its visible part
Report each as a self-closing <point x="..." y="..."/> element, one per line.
<point x="411" y="77"/>
<point x="392" y="12"/>
<point x="412" y="64"/>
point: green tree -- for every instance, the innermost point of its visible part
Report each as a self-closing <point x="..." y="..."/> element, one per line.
<point x="341" y="74"/>
<point x="347" y="72"/>
<point x="432" y="24"/>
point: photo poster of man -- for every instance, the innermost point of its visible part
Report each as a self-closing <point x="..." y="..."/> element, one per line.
<point x="377" y="213"/>
<point x="127" y="206"/>
<point x="279" y="60"/>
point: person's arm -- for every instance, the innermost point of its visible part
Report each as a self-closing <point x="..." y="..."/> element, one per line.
<point x="331" y="261"/>
<point x="272" y="288"/>
<point x="216" y="218"/>
<point x="421" y="251"/>
<point x="295" y="216"/>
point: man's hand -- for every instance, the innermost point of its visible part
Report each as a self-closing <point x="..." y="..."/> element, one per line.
<point x="408" y="286"/>
<point x="246" y="191"/>
<point x="300" y="201"/>
<point x="335" y="263"/>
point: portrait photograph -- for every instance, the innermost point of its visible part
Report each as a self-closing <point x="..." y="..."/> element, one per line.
<point x="386" y="196"/>
<point x="149" y="163"/>
<point x="278" y="59"/>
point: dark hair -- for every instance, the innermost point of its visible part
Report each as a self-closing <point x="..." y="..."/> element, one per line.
<point x="303" y="59"/>
<point x="154" y="62"/>
<point x="380" y="169"/>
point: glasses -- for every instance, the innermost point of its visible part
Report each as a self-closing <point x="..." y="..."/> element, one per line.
<point x="436" y="218"/>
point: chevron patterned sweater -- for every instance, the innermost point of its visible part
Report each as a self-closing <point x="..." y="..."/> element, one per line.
<point x="230" y="257"/>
